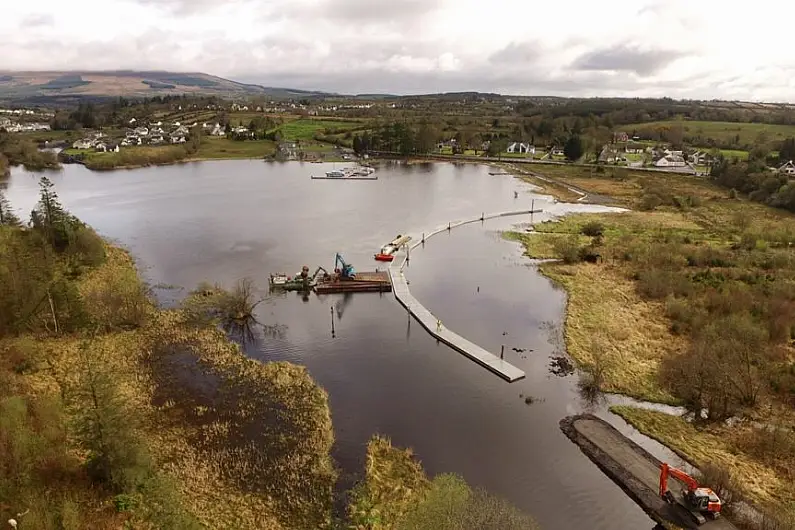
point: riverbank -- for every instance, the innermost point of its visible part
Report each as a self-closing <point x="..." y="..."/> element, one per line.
<point x="682" y="300"/>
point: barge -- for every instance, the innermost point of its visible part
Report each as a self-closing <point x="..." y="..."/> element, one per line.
<point x="349" y="173"/>
<point x="343" y="280"/>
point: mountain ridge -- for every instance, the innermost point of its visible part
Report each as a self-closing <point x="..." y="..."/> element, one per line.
<point x="81" y="84"/>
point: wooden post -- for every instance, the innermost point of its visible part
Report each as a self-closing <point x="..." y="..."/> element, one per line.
<point x="408" y="253"/>
<point x="532" y="209"/>
<point x="332" y="321"/>
<point x="423" y="238"/>
<point x="502" y="351"/>
<point x="448" y="226"/>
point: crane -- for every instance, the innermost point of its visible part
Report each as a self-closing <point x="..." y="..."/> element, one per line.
<point x="345" y="269"/>
<point x="698" y="500"/>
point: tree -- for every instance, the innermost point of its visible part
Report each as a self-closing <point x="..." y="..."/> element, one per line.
<point x="7" y="216"/>
<point x="115" y="454"/>
<point x="573" y="148"/>
<point x="787" y="150"/>
<point x="195" y="139"/>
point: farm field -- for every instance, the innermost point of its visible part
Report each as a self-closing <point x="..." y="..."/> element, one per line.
<point x="305" y="129"/>
<point x="749" y="133"/>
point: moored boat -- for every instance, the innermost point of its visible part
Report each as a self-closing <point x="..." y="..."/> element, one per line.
<point x="384" y="257"/>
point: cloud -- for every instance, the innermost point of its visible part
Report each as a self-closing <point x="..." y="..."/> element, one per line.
<point x="420" y="46"/>
<point x="36" y="20"/>
<point x="622" y="58"/>
<point x="516" y="52"/>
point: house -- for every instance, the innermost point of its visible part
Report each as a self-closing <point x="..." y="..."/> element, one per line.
<point x="177" y="139"/>
<point x="156" y="139"/>
<point x="157" y="131"/>
<point x="5" y="122"/>
<point x="217" y="130"/>
<point x="101" y="147"/>
<point x="608" y="156"/>
<point x="787" y="169"/>
<point x="132" y="121"/>
<point x="141" y="131"/>
<point x="83" y="144"/>
<point x="112" y="147"/>
<point x="521" y="147"/>
<point x="634" y="148"/>
<point x="700" y="158"/>
<point x="241" y="131"/>
<point x="671" y="161"/>
<point x="620" y="137"/>
<point x="556" y="151"/>
<point x="180" y="130"/>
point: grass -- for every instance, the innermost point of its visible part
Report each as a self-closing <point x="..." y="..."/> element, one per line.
<point x="604" y="296"/>
<point x="305" y="128"/>
<point x="721" y="131"/>
<point x="212" y="148"/>
<point x="721" y="446"/>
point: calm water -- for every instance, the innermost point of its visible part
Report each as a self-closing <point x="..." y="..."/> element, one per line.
<point x="220" y="221"/>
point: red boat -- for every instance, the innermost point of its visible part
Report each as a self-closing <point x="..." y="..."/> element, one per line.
<point x="384" y="257"/>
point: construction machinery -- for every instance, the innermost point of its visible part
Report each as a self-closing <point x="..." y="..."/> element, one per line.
<point x="302" y="281"/>
<point x="345" y="270"/>
<point x="698" y="501"/>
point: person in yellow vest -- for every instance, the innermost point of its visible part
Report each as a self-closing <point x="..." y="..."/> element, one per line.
<point x="438" y="326"/>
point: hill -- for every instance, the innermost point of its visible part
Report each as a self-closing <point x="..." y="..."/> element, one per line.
<point x="73" y="85"/>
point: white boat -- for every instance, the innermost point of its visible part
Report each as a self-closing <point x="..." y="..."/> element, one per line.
<point x="278" y="279"/>
<point x="336" y="173"/>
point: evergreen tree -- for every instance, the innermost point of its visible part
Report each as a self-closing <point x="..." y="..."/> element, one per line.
<point x="7" y="216"/>
<point x="573" y="148"/>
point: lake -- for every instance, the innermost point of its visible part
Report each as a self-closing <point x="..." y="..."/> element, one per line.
<point x="222" y="221"/>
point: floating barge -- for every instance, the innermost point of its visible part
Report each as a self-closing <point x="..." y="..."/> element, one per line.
<point x="363" y="282"/>
<point x="349" y="173"/>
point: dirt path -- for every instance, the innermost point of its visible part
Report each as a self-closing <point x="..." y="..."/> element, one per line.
<point x="631" y="467"/>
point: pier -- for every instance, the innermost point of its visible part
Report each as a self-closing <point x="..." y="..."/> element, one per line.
<point x="430" y="322"/>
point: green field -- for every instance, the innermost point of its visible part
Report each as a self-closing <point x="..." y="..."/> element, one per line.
<point x="224" y="148"/>
<point x="305" y="129"/>
<point x="721" y="131"/>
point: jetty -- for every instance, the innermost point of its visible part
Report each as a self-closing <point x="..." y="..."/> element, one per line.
<point x="632" y="468"/>
<point x="400" y="287"/>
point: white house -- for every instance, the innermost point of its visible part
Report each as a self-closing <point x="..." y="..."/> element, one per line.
<point x="521" y="147"/>
<point x="180" y="130"/>
<point x="671" y="161"/>
<point x="132" y="121"/>
<point x="156" y="139"/>
<point x="101" y="147"/>
<point x="83" y="144"/>
<point x="141" y="131"/>
<point x="787" y="169"/>
<point x="217" y="130"/>
<point x="177" y="139"/>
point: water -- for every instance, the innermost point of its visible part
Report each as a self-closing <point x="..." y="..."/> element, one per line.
<point x="220" y="221"/>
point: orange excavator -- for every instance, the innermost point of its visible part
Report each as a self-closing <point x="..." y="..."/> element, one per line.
<point x="697" y="500"/>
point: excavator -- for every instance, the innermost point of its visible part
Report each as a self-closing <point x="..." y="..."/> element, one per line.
<point x="345" y="270"/>
<point x="697" y="500"/>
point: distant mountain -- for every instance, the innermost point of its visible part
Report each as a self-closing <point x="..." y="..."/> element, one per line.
<point x="75" y="85"/>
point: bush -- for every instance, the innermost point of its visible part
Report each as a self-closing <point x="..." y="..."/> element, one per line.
<point x="568" y="248"/>
<point x="593" y="229"/>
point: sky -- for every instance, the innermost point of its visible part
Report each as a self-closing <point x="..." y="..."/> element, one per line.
<point x="701" y="49"/>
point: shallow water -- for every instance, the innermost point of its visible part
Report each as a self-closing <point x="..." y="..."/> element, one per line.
<point x="220" y="221"/>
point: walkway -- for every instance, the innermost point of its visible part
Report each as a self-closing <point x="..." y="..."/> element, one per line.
<point x="401" y="289"/>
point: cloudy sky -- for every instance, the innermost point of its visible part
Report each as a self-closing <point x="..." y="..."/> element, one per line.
<point x="677" y="48"/>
